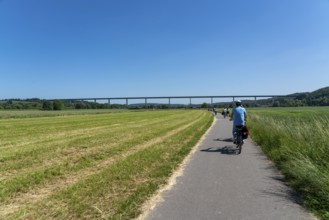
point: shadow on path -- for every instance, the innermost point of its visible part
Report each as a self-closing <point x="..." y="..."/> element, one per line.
<point x="282" y="193"/>
<point x="231" y="150"/>
<point x="225" y="140"/>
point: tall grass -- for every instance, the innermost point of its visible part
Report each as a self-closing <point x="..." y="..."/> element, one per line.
<point x="95" y="166"/>
<point x="297" y="140"/>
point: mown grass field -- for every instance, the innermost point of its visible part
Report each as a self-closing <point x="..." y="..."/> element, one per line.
<point x="91" y="166"/>
<point x="297" y="140"/>
<point x="36" y="113"/>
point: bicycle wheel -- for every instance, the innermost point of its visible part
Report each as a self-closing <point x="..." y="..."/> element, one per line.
<point x="239" y="148"/>
<point x="239" y="143"/>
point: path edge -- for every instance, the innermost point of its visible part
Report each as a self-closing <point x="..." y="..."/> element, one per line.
<point x="157" y="197"/>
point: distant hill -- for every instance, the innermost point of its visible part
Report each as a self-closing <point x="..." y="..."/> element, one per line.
<point x="315" y="94"/>
<point x="318" y="97"/>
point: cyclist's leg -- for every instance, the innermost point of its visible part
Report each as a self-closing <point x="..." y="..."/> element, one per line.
<point x="234" y="133"/>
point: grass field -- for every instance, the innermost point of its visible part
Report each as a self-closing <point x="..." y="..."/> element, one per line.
<point x="90" y="166"/>
<point x="297" y="140"/>
<point x="37" y="113"/>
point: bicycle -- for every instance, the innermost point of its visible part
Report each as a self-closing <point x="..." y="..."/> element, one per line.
<point x="239" y="140"/>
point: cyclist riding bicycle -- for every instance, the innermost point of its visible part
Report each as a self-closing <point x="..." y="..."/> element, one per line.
<point x="239" y="117"/>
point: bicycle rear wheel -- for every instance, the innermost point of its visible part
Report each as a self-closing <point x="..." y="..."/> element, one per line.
<point x="239" y="143"/>
<point x="239" y="146"/>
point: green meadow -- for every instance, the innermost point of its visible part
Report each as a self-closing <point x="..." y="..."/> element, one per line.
<point x="297" y="141"/>
<point x="90" y="164"/>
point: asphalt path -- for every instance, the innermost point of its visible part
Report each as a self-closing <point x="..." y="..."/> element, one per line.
<point x="216" y="183"/>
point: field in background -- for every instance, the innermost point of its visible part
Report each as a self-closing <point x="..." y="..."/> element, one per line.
<point x="90" y="166"/>
<point x="297" y="140"/>
<point x="38" y="113"/>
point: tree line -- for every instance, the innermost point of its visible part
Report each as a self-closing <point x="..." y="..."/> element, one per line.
<point x="56" y="105"/>
<point x="50" y="105"/>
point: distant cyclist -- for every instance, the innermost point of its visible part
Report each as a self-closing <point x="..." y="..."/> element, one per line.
<point x="224" y="112"/>
<point x="239" y="116"/>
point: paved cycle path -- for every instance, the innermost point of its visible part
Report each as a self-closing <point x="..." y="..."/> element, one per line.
<point x="218" y="184"/>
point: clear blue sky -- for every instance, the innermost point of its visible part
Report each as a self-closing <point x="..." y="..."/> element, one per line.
<point x="117" y="48"/>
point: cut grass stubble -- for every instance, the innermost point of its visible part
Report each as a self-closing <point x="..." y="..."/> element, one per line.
<point x="115" y="187"/>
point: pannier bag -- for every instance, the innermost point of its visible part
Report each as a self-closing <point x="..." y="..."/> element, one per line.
<point x="245" y="132"/>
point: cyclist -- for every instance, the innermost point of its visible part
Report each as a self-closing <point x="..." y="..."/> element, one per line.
<point x="239" y="116"/>
<point x="224" y="113"/>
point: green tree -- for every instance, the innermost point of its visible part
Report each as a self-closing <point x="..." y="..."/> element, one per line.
<point x="276" y="104"/>
<point x="58" y="105"/>
<point x="204" y="105"/>
<point x="80" y="105"/>
<point x="47" y="106"/>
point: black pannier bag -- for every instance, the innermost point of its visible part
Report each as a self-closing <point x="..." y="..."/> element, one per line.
<point x="245" y="132"/>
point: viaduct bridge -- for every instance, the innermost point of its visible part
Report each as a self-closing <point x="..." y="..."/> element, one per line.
<point x="189" y="98"/>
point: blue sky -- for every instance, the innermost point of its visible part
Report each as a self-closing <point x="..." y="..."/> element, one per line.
<point x="119" y="48"/>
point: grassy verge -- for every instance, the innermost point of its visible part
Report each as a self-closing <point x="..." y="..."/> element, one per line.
<point x="110" y="177"/>
<point x="297" y="140"/>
